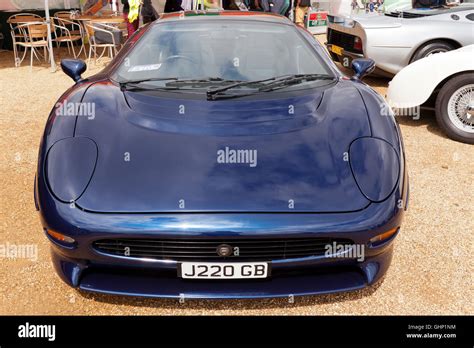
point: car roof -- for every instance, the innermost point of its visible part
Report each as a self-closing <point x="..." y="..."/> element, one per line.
<point x="226" y="15"/>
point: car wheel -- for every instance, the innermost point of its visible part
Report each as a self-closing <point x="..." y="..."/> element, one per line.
<point x="455" y="108"/>
<point x="432" y="48"/>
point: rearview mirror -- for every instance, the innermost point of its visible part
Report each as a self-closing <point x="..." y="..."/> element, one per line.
<point x="73" y="68"/>
<point x="362" y="67"/>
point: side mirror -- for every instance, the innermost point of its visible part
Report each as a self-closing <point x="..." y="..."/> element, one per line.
<point x="73" y="68"/>
<point x="362" y="67"/>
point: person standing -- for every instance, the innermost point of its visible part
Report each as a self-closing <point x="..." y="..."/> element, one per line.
<point x="177" y="5"/>
<point x="255" y="5"/>
<point x="131" y="27"/>
<point x="275" y="6"/>
<point x="371" y="5"/>
<point x="302" y="7"/>
<point x="148" y="12"/>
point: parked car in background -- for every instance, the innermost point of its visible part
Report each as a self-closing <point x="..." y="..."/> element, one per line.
<point x="224" y="156"/>
<point x="396" y="39"/>
<point x="445" y="81"/>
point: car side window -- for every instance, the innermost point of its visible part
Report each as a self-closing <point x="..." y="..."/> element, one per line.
<point x="470" y="16"/>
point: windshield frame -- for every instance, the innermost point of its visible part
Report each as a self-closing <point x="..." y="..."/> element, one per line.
<point x="319" y="56"/>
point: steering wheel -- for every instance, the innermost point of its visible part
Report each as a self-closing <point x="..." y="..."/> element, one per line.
<point x="177" y="56"/>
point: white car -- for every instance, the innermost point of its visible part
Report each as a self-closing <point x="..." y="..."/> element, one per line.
<point x="394" y="40"/>
<point x="445" y="80"/>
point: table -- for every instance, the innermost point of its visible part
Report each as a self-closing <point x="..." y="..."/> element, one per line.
<point x="109" y="20"/>
<point x="97" y="19"/>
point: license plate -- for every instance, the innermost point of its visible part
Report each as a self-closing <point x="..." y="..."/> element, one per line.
<point x="237" y="270"/>
<point x="337" y="50"/>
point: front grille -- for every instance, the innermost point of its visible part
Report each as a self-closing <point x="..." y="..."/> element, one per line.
<point x="343" y="40"/>
<point x="206" y="249"/>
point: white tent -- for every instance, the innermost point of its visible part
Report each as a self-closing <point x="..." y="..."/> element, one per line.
<point x="37" y="4"/>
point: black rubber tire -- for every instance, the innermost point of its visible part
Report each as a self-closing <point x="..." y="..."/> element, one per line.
<point x="430" y="47"/>
<point x="441" y="108"/>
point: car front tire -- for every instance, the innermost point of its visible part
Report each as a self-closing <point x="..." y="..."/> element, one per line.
<point x="455" y="108"/>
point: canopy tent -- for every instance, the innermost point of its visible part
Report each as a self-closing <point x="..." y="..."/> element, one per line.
<point x="13" y="5"/>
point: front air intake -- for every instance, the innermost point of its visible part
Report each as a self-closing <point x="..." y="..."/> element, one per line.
<point x="206" y="249"/>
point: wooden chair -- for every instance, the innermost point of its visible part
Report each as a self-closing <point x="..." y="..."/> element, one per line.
<point x="68" y="19"/>
<point x="34" y="36"/>
<point x="18" y="19"/>
<point x="22" y="18"/>
<point x="94" y="45"/>
<point x="69" y="32"/>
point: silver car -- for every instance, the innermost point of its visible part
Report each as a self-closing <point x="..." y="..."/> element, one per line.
<point x="396" y="39"/>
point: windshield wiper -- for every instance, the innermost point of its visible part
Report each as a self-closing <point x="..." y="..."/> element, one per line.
<point x="215" y="91"/>
<point x="264" y="85"/>
<point x="130" y="84"/>
<point x="185" y="82"/>
<point x="275" y="83"/>
<point x="295" y="79"/>
<point x="175" y="83"/>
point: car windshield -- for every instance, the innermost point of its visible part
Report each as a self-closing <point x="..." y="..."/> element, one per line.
<point x="218" y="51"/>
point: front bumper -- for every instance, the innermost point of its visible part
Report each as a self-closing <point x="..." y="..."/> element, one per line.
<point x="85" y="268"/>
<point x="296" y="280"/>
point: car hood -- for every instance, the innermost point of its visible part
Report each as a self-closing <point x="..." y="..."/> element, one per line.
<point x="173" y="153"/>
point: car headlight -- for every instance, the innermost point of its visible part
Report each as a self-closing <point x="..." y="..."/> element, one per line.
<point x="69" y="167"/>
<point x="375" y="166"/>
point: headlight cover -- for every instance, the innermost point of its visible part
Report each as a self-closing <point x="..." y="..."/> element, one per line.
<point x="376" y="167"/>
<point x="70" y="164"/>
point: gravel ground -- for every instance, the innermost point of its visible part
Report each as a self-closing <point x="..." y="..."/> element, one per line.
<point x="431" y="272"/>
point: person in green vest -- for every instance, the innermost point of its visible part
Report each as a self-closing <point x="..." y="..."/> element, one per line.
<point x="133" y="26"/>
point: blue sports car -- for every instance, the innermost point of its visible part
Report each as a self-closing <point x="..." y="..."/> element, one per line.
<point x="221" y="155"/>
